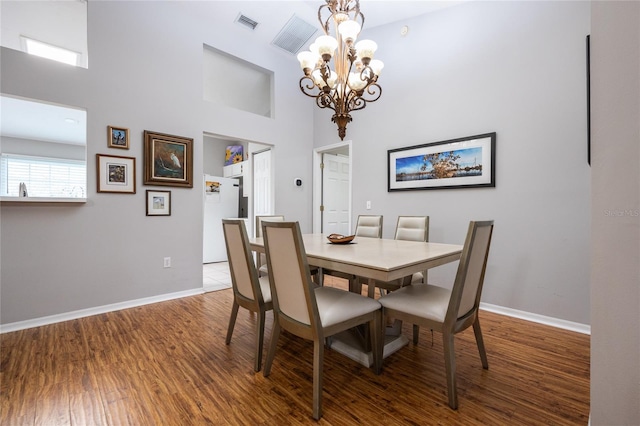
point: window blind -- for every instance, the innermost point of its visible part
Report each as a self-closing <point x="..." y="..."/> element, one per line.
<point x="44" y="177"/>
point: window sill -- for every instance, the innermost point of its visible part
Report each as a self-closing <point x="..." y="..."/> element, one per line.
<point x="42" y="200"/>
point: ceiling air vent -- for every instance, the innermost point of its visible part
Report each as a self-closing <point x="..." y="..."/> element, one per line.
<point x="246" y="21"/>
<point x="294" y="35"/>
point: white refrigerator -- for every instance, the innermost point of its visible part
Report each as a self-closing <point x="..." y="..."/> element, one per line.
<point x="220" y="202"/>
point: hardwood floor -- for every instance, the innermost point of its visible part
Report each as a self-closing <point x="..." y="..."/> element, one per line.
<point x="167" y="364"/>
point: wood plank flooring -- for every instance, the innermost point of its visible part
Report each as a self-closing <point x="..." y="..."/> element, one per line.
<point x="167" y="364"/>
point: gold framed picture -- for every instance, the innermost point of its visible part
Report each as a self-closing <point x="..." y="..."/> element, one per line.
<point x="118" y="137"/>
<point x="168" y="160"/>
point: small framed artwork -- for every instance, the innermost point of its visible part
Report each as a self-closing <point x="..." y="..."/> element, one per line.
<point x="457" y="163"/>
<point x="158" y="203"/>
<point x="116" y="174"/>
<point x="118" y="137"/>
<point x="233" y="155"/>
<point x="168" y="160"/>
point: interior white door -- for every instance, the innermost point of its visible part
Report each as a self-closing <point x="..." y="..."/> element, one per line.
<point x="262" y="187"/>
<point x="335" y="194"/>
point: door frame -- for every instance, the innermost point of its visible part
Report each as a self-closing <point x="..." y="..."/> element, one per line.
<point x="316" y="216"/>
<point x="251" y="214"/>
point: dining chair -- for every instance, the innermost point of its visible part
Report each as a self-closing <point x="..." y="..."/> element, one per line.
<point x="311" y="312"/>
<point x="369" y="226"/>
<point x="261" y="260"/>
<point x="449" y="311"/>
<point x="408" y="228"/>
<point x="249" y="290"/>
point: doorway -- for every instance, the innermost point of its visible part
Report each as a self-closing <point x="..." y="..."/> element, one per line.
<point x="332" y="178"/>
<point x="216" y="275"/>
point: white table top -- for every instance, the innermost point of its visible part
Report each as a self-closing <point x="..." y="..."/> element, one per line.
<point x="374" y="258"/>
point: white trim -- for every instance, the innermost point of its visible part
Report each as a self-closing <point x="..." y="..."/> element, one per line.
<point x="52" y="319"/>
<point x="317" y="181"/>
<point x="540" y="319"/>
<point x="37" y="322"/>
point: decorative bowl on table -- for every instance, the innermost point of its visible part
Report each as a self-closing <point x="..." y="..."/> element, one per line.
<point x="340" y="239"/>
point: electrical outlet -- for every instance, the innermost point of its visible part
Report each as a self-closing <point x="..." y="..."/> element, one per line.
<point x="167" y="262"/>
<point x="368" y="205"/>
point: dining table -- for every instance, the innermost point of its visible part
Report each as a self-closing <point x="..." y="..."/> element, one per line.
<point x="372" y="259"/>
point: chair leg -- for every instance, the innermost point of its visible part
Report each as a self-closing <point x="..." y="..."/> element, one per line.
<point x="259" y="340"/>
<point x="355" y="285"/>
<point x="275" y="334"/>
<point x="318" y="360"/>
<point x="450" y="367"/>
<point x="232" y="321"/>
<point x="416" y="333"/>
<point x="480" y="342"/>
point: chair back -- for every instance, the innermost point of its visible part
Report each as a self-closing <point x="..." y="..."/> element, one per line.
<point x="244" y="277"/>
<point x="271" y="218"/>
<point x="467" y="287"/>
<point x="412" y="228"/>
<point x="291" y="287"/>
<point x="369" y="226"/>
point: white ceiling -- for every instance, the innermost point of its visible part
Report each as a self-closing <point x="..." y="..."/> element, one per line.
<point x="381" y="12"/>
<point x="14" y="112"/>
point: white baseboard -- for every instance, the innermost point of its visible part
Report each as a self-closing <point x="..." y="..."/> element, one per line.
<point x="52" y="319"/>
<point x="37" y="322"/>
<point x="540" y="319"/>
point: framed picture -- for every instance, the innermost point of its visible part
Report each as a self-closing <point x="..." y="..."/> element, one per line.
<point x="116" y="174"/>
<point x="118" y="137"/>
<point x="457" y="163"/>
<point x="233" y="155"/>
<point x="168" y="160"/>
<point x="158" y="203"/>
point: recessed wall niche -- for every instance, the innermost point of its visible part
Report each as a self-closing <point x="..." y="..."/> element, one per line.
<point x="236" y="83"/>
<point x="53" y="29"/>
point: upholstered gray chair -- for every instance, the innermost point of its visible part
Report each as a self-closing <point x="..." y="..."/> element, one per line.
<point x="311" y="312"/>
<point x="369" y="226"/>
<point x="449" y="311"/>
<point x="249" y="291"/>
<point x="409" y="228"/>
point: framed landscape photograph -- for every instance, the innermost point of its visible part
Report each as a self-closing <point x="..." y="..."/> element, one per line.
<point x="116" y="174"/>
<point x="168" y="160"/>
<point x="158" y="203"/>
<point x="467" y="162"/>
<point x="118" y="137"/>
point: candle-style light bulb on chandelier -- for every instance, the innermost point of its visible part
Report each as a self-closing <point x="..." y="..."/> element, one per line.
<point x="354" y="80"/>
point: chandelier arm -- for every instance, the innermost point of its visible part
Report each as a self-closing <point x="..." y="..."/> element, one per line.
<point x="325" y="23"/>
<point x="308" y="86"/>
<point x="374" y="90"/>
<point x="355" y="102"/>
<point x="324" y="100"/>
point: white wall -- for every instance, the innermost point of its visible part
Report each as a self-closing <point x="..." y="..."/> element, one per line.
<point x="516" y="68"/>
<point x="145" y="74"/>
<point x="615" y="207"/>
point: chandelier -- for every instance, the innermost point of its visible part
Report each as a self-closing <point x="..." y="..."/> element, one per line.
<point x="354" y="80"/>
